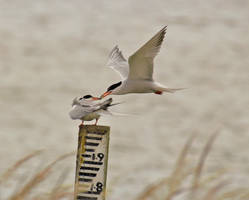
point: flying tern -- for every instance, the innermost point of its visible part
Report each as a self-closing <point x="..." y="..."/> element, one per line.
<point x="137" y="72"/>
<point x="87" y="109"/>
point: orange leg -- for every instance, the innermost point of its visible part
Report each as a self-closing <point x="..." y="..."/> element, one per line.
<point x="158" y="92"/>
<point x="96" y="122"/>
<point x="82" y="124"/>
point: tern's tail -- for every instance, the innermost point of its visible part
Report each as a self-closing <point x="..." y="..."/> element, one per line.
<point x="104" y="105"/>
<point x="159" y="88"/>
<point x="172" y="90"/>
<point x="107" y="103"/>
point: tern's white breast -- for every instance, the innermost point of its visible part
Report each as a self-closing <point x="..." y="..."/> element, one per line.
<point x="90" y="117"/>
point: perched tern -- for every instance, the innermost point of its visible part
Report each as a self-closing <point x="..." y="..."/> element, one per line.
<point x="137" y="72"/>
<point x="87" y="109"/>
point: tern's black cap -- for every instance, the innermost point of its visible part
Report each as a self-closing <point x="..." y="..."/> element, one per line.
<point x="87" y="96"/>
<point x="112" y="87"/>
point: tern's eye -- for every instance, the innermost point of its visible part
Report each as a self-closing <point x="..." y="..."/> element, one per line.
<point x="80" y="98"/>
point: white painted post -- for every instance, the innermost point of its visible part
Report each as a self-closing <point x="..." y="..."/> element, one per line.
<point x="91" y="163"/>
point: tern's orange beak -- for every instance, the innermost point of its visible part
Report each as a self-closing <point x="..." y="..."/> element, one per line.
<point x="106" y="94"/>
<point x="95" y="98"/>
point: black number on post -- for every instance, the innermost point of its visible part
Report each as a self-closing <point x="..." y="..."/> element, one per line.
<point x="99" y="187"/>
<point x="101" y="156"/>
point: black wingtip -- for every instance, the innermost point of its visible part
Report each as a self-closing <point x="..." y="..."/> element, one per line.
<point x="162" y="33"/>
<point x="165" y="27"/>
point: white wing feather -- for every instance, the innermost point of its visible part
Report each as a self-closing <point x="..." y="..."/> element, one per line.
<point x="77" y="112"/>
<point x="141" y="62"/>
<point x="117" y="62"/>
<point x="83" y="109"/>
<point x="111" y="113"/>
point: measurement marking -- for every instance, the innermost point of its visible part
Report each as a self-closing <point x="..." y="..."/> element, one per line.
<point x="86" y="155"/>
<point x="83" y="186"/>
<point x="85" y="179"/>
<point x="91" y="144"/>
<point x="87" y="174"/>
<point x="92" y="162"/>
<point x="92" y="192"/>
<point x="86" y="198"/>
<point x="97" y="133"/>
<point x="93" y="138"/>
<point x="89" y="168"/>
<point x="90" y="150"/>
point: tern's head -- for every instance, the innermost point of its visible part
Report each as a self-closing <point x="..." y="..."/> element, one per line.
<point x="86" y="98"/>
<point x="111" y="89"/>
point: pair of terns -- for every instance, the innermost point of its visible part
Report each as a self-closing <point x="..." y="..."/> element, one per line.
<point x="136" y="77"/>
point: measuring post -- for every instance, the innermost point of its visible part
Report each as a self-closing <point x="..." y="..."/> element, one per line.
<point x="91" y="163"/>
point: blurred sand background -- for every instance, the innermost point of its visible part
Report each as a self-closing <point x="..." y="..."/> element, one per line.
<point x="52" y="51"/>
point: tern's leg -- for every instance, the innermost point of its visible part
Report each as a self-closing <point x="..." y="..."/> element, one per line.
<point x="96" y="121"/>
<point x="82" y="124"/>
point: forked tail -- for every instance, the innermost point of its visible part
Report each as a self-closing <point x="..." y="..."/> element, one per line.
<point x="159" y="89"/>
<point x="172" y="90"/>
<point x="103" y="110"/>
<point x="107" y="103"/>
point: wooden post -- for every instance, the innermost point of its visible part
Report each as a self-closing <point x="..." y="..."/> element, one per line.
<point x="91" y="163"/>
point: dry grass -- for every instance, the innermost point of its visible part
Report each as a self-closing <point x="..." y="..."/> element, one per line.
<point x="177" y="186"/>
<point x="58" y="192"/>
<point x="10" y="171"/>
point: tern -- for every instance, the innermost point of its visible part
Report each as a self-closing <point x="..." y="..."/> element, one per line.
<point x="137" y="72"/>
<point x="87" y="109"/>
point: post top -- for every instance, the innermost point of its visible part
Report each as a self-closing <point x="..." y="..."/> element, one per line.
<point x="94" y="128"/>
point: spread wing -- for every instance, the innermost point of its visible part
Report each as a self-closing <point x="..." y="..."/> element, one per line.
<point x="141" y="62"/>
<point x="117" y="62"/>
